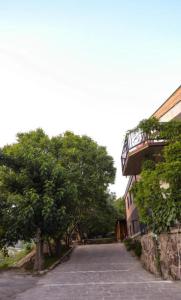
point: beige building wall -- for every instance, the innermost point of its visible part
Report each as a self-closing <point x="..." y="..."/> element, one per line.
<point x="173" y="113"/>
<point x="171" y="108"/>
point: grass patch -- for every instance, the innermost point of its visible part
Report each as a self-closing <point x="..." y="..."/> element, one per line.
<point x="11" y="260"/>
<point x="50" y="260"/>
<point x="7" y="262"/>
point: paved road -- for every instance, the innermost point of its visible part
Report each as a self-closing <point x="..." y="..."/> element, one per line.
<point x="13" y="283"/>
<point x="97" y="272"/>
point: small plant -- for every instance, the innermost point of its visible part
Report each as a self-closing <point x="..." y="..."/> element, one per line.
<point x="29" y="246"/>
<point x="128" y="244"/>
<point x="134" y="245"/>
<point x="5" y="252"/>
<point x="137" y="248"/>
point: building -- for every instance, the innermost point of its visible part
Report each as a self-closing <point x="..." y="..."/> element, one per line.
<point x="137" y="147"/>
<point x="120" y="230"/>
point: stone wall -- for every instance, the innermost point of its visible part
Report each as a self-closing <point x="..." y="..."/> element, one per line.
<point x="149" y="255"/>
<point x="170" y="254"/>
<point x="162" y="254"/>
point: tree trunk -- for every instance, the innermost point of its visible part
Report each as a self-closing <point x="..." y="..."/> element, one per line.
<point x="67" y="241"/>
<point x="80" y="234"/>
<point x="50" y="247"/>
<point x="39" y="257"/>
<point x="58" y="247"/>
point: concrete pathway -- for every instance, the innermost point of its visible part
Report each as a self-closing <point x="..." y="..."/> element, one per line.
<point x="97" y="272"/>
<point x="13" y="283"/>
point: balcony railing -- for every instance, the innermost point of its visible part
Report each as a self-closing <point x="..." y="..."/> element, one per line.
<point x="135" y="141"/>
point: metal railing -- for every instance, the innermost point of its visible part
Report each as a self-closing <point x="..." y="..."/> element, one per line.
<point x="134" y="139"/>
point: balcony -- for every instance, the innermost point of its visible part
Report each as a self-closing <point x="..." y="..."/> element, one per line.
<point x="139" y="146"/>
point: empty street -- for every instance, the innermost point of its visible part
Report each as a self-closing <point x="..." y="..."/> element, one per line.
<point x="93" y="272"/>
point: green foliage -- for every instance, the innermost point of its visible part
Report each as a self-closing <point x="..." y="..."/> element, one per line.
<point x="34" y="184"/>
<point x="128" y="243"/>
<point x="158" y="192"/>
<point x="149" y="126"/>
<point x="169" y="131"/>
<point x="119" y="205"/>
<point x="50" y="260"/>
<point x="47" y="186"/>
<point x="100" y="219"/>
<point x="29" y="246"/>
<point x="91" y="170"/>
<point x="137" y="248"/>
<point x="135" y="245"/>
<point x="7" y="261"/>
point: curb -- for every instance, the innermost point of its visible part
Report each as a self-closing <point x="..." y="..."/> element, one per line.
<point x="64" y="258"/>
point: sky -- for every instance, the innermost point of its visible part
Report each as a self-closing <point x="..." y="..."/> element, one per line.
<point x="93" y="67"/>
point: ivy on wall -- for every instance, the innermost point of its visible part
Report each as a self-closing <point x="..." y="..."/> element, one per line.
<point x="158" y="193"/>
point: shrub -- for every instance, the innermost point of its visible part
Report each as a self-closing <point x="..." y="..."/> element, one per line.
<point x="29" y="246"/>
<point x="134" y="245"/>
<point x="128" y="244"/>
<point x="137" y="248"/>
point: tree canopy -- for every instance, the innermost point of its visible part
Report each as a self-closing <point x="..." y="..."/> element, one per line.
<point x="48" y="185"/>
<point x="119" y="204"/>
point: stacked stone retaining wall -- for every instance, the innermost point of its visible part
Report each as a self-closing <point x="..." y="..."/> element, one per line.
<point x="162" y="254"/>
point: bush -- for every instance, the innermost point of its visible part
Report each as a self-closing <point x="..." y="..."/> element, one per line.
<point x="29" y="246"/>
<point x="134" y="245"/>
<point x="137" y="248"/>
<point x="128" y="244"/>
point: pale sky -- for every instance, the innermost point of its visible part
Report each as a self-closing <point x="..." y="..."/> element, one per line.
<point x="92" y="67"/>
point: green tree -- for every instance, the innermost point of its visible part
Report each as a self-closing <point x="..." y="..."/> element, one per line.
<point x="49" y="185"/>
<point x="90" y="168"/>
<point x="100" y="219"/>
<point x="34" y="184"/>
<point x="119" y="204"/>
<point x="3" y="221"/>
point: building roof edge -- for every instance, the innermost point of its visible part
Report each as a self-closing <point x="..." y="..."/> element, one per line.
<point x="165" y="101"/>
